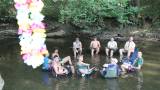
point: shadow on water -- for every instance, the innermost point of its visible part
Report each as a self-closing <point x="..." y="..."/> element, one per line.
<point x="18" y="76"/>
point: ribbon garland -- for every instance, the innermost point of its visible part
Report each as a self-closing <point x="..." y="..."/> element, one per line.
<point x="31" y="31"/>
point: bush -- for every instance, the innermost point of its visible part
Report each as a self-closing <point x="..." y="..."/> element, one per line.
<point x="87" y="13"/>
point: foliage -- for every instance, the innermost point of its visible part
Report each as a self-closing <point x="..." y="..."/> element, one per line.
<point x="151" y="9"/>
<point x="7" y="10"/>
<point x="51" y="9"/>
<point x="85" y="13"/>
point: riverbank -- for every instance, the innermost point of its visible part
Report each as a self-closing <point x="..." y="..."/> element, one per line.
<point x="57" y="30"/>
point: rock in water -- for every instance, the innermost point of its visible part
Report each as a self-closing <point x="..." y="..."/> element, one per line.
<point x="1" y="83"/>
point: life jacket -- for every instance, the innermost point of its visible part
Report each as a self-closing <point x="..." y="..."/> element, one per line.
<point x="45" y="64"/>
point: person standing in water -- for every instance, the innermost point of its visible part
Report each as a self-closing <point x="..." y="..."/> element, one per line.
<point x="95" y="46"/>
<point x="111" y="46"/>
<point x="128" y="47"/>
<point x="77" y="47"/>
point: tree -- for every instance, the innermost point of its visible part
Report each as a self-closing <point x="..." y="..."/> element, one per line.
<point x="86" y="13"/>
<point x="7" y="10"/>
<point x="151" y="9"/>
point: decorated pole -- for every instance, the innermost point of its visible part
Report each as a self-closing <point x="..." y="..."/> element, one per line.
<point x="31" y="31"/>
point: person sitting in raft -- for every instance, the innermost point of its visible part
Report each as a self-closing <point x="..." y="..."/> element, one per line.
<point x="136" y="65"/>
<point x="111" y="70"/>
<point x="129" y="48"/>
<point x="111" y="46"/>
<point x="60" y="68"/>
<point x="84" y="68"/>
<point x="77" y="47"/>
<point x="55" y="54"/>
<point x="95" y="46"/>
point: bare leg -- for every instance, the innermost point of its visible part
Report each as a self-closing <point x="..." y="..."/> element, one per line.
<point x="92" y="52"/>
<point x="129" y="53"/>
<point x="97" y="50"/>
<point x="107" y="51"/>
<point x="66" y="59"/>
<point x="122" y="67"/>
<point x="111" y="53"/>
<point x="121" y="53"/>
<point x="80" y="51"/>
<point x="74" y="51"/>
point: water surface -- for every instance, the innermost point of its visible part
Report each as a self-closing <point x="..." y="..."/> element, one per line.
<point x="19" y="76"/>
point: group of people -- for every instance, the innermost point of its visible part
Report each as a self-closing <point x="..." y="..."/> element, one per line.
<point x="111" y="47"/>
<point x="113" y="69"/>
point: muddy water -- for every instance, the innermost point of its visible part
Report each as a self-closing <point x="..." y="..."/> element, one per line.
<point x="18" y="76"/>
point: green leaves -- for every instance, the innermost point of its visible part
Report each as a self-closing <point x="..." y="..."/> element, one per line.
<point x="84" y="13"/>
<point x="6" y="7"/>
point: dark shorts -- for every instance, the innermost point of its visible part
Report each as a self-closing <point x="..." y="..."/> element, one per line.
<point x="78" y="49"/>
<point x="94" y="48"/>
<point x="114" y="50"/>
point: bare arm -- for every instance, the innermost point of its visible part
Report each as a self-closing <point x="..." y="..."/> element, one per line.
<point x="116" y="45"/>
<point x="81" y="44"/>
<point x="91" y="44"/>
<point x="108" y="46"/>
<point x="86" y="64"/>
<point x="138" y="67"/>
<point x="99" y="44"/>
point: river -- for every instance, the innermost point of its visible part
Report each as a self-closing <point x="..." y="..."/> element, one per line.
<point x="18" y="76"/>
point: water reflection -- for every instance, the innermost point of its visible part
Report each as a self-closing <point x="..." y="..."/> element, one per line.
<point x="25" y="76"/>
<point x="95" y="60"/>
<point x="61" y="84"/>
<point x="107" y="59"/>
<point x="82" y="84"/>
<point x="47" y="80"/>
<point x="112" y="84"/>
<point x="140" y="80"/>
<point x="137" y="77"/>
<point x="1" y="83"/>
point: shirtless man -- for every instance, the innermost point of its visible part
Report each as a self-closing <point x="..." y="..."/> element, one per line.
<point x="77" y="47"/>
<point x="95" y="46"/>
<point x="128" y="47"/>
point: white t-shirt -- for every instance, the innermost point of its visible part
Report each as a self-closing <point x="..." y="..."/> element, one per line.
<point x="112" y="45"/>
<point x="77" y="44"/>
<point x="130" y="45"/>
